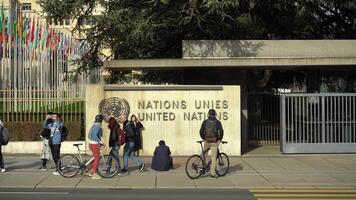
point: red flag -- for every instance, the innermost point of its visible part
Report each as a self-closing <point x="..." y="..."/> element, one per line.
<point x="32" y="37"/>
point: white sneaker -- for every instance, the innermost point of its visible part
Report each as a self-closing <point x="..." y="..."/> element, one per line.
<point x="56" y="173"/>
<point x="96" y="177"/>
<point x="3" y="170"/>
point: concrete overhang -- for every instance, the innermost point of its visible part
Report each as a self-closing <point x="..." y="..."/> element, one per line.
<point x="270" y="63"/>
<point x="267" y="54"/>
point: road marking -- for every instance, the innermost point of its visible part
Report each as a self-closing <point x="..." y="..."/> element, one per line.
<point x="304" y="199"/>
<point x="304" y="190"/>
<point x="305" y="195"/>
<point x="37" y="193"/>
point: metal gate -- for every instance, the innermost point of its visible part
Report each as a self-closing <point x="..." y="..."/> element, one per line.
<point x="263" y="118"/>
<point x="318" y="123"/>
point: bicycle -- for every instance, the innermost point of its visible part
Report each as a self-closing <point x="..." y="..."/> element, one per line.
<point x="196" y="165"/>
<point x="70" y="165"/>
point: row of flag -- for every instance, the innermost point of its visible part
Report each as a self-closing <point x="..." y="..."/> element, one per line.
<point x="20" y="31"/>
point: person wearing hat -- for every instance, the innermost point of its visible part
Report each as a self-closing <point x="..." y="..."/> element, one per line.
<point x="212" y="133"/>
<point x="95" y="135"/>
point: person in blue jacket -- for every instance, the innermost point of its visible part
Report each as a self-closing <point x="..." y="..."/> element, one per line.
<point x="162" y="160"/>
<point x="55" y="140"/>
<point x="95" y="136"/>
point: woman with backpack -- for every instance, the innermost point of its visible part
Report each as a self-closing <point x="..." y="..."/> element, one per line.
<point x="137" y="128"/>
<point x="114" y="140"/>
<point x="55" y="140"/>
<point x="129" y="148"/>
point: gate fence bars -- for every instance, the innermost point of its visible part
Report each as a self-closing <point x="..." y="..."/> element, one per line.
<point x="318" y="123"/>
<point x="263" y="118"/>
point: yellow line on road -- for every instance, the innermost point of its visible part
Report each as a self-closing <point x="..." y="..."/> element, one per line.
<point x="305" y="195"/>
<point x="304" y="190"/>
<point x="302" y="199"/>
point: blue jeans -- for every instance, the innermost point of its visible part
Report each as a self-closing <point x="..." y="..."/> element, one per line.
<point x="114" y="152"/>
<point x="128" y="153"/>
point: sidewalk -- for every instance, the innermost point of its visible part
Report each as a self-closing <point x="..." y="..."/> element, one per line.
<point x="278" y="171"/>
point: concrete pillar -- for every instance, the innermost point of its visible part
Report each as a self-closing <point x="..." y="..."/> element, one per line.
<point x="244" y="112"/>
<point x="93" y="95"/>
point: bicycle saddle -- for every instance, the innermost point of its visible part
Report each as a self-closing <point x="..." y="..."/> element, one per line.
<point x="77" y="144"/>
<point x="200" y="142"/>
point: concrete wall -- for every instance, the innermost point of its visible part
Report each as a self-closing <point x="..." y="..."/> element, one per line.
<point x="36" y="147"/>
<point x="172" y="124"/>
<point x="269" y="48"/>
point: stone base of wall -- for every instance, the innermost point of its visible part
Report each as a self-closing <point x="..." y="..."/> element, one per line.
<point x="36" y="147"/>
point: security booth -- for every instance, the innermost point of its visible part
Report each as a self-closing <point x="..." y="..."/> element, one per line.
<point x="293" y="92"/>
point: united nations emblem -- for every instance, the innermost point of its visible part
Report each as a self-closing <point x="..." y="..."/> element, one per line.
<point x="114" y="107"/>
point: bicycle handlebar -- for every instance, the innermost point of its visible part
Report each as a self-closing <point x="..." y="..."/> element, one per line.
<point x="222" y="142"/>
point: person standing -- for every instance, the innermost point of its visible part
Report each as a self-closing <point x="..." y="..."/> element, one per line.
<point x="212" y="133"/>
<point x="95" y="135"/>
<point x="2" y="164"/>
<point x="45" y="136"/>
<point x="114" y="140"/>
<point x="137" y="128"/>
<point x="55" y="139"/>
<point x="129" y="148"/>
<point x="162" y="159"/>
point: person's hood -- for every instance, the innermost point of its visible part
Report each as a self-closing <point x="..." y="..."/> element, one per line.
<point x="112" y="124"/>
<point x="212" y="118"/>
<point x="97" y="123"/>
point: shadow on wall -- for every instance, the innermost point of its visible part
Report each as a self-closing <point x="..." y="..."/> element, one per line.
<point x="221" y="48"/>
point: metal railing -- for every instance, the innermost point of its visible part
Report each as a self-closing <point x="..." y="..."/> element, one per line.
<point x="318" y="123"/>
<point x="23" y="111"/>
<point x="263" y="118"/>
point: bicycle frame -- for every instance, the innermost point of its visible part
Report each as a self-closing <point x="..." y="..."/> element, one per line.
<point x="204" y="152"/>
<point x="84" y="165"/>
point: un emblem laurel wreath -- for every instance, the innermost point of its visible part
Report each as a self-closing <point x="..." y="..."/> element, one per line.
<point x="115" y="107"/>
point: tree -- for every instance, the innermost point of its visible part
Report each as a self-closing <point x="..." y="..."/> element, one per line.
<point x="149" y="28"/>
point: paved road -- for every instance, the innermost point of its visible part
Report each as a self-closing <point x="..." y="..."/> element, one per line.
<point x="173" y="194"/>
<point x="13" y="194"/>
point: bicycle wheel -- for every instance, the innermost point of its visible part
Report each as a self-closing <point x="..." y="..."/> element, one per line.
<point x="68" y="166"/>
<point x="194" y="167"/>
<point x="108" y="166"/>
<point x="222" y="164"/>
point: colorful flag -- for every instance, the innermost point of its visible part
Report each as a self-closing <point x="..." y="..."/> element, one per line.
<point x="14" y="23"/>
<point x="2" y="20"/>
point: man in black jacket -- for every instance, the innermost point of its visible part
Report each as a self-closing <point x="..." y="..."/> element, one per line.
<point x="114" y="140"/>
<point x="162" y="159"/>
<point x="212" y="133"/>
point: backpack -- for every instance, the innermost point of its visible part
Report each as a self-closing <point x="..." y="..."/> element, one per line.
<point x="45" y="132"/>
<point x="121" y="137"/>
<point x="64" y="132"/>
<point x="129" y="131"/>
<point x="4" y="135"/>
<point x="211" y="133"/>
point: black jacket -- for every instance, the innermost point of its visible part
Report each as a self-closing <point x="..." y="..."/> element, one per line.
<point x="130" y="133"/>
<point x="161" y="160"/>
<point x="219" y="129"/>
<point x="114" y="134"/>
